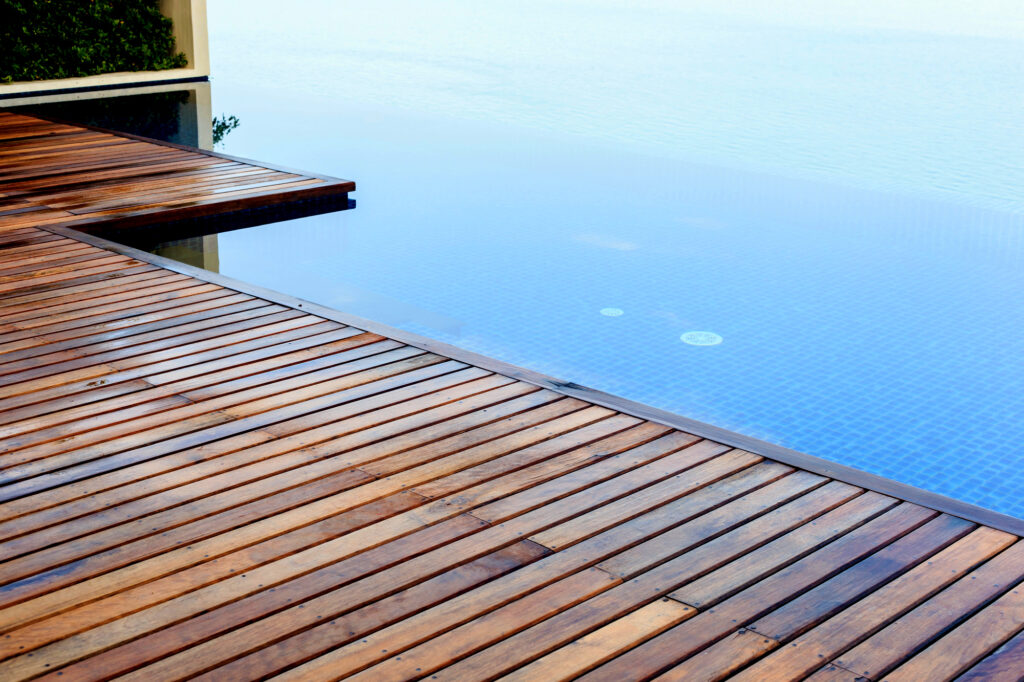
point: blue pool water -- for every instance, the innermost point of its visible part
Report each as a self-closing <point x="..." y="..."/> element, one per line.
<point x="833" y="190"/>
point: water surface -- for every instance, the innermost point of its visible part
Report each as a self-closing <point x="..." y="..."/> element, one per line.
<point x="835" y="192"/>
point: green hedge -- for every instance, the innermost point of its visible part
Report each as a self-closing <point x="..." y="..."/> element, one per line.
<point x="43" y="39"/>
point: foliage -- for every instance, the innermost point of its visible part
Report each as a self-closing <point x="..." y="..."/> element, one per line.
<point x="43" y="39"/>
<point x="222" y="125"/>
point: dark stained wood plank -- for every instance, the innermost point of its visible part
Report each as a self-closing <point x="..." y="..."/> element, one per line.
<point x="219" y="359"/>
<point x="17" y="317"/>
<point x="243" y="467"/>
<point x="29" y="475"/>
<point x="191" y="298"/>
<point x="66" y="274"/>
<point x="43" y="298"/>
<point x="125" y="352"/>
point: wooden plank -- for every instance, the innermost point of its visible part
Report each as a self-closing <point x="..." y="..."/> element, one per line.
<point x="738" y="649"/>
<point x="627" y="508"/>
<point x="147" y="194"/>
<point x="101" y="340"/>
<point x="896" y="643"/>
<point x="860" y="579"/>
<point x="43" y="377"/>
<point x="492" y="626"/>
<point x="350" y="349"/>
<point x="179" y="302"/>
<point x="105" y="188"/>
<point x="512" y="648"/>
<point x="361" y="621"/>
<point x="830" y="638"/>
<point x="967" y="644"/>
<point x="105" y="427"/>
<point x="27" y="477"/>
<point x="254" y="474"/>
<point x="1003" y="665"/>
<point x="72" y="356"/>
<point x="738" y="497"/>
<point x="85" y="290"/>
<point x="604" y="643"/>
<point x="50" y="312"/>
<point x="312" y="514"/>
<point x="107" y="277"/>
<point x="37" y="627"/>
<point x="91" y="313"/>
<point x="251" y="481"/>
<point x="65" y="275"/>
<point x="678" y="643"/>
<point x="765" y="560"/>
<point x="453" y="554"/>
<point x="833" y="673"/>
<point x="202" y="363"/>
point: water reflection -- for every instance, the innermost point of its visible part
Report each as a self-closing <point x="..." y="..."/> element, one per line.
<point x="174" y="112"/>
<point x="200" y="252"/>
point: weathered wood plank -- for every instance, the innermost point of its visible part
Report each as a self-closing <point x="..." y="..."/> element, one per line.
<point x="898" y="642"/>
<point x="1003" y="665"/>
<point x="738" y="649"/>
<point x="675" y="645"/>
<point x="829" y="639"/>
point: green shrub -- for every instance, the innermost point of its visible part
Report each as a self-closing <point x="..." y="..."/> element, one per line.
<point x="223" y="125"/>
<point x="43" y="39"/>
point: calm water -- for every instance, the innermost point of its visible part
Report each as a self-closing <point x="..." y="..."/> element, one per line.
<point x="836" y="194"/>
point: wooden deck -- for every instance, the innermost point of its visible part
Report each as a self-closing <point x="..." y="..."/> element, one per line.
<point x="57" y="174"/>
<point x="200" y="479"/>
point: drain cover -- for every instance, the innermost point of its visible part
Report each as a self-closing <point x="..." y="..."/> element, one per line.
<point x="701" y="338"/>
<point x="611" y="312"/>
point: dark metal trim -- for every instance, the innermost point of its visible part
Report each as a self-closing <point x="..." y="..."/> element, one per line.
<point x="768" y="450"/>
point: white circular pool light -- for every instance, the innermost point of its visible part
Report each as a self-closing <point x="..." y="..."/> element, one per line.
<point x="611" y="312"/>
<point x="701" y="338"/>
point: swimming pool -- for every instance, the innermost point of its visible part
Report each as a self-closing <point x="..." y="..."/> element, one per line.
<point x="835" y="197"/>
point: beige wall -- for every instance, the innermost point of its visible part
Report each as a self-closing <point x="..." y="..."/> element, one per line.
<point x="190" y="35"/>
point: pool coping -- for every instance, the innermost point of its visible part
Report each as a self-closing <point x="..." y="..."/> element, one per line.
<point x="814" y="464"/>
